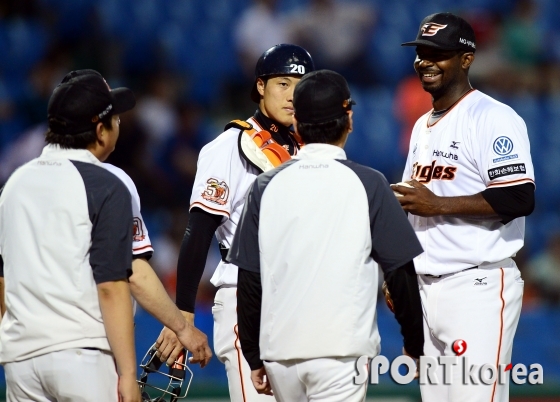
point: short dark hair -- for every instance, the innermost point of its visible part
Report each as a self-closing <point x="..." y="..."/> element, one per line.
<point x="77" y="141"/>
<point x="329" y="132"/>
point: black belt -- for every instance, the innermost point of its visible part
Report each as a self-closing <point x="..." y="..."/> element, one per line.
<point x="223" y="251"/>
<point x="439" y="276"/>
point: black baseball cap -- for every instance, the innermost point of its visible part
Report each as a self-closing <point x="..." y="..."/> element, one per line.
<point x="321" y="96"/>
<point x="82" y="99"/>
<point x="445" y="31"/>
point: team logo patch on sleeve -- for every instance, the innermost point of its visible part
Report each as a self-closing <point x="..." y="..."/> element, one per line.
<point x="503" y="146"/>
<point x="516" y="168"/>
<point x="137" y="229"/>
<point x="216" y="191"/>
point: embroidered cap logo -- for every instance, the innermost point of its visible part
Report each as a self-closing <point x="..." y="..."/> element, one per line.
<point x="431" y="28"/>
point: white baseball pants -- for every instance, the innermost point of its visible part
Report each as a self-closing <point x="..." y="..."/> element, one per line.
<point x="72" y="375"/>
<point x="325" y="379"/>
<point x="481" y="307"/>
<point x="228" y="348"/>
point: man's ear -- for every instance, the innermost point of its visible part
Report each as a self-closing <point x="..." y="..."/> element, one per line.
<point x="467" y="59"/>
<point x="350" y="121"/>
<point x="260" y="86"/>
<point x="100" y="133"/>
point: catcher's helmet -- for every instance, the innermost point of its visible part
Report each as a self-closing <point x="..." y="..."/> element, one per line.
<point x="164" y="386"/>
<point x="282" y="59"/>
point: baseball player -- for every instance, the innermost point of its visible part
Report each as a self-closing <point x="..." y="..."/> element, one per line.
<point x="144" y="284"/>
<point x="472" y="182"/>
<point x="65" y="244"/>
<point x="227" y="167"/>
<point x="307" y="287"/>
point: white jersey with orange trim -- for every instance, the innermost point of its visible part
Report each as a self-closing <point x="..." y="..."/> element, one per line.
<point x="222" y="179"/>
<point x="141" y="243"/>
<point x="477" y="144"/>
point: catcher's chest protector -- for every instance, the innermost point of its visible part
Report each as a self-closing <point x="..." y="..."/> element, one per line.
<point x="258" y="148"/>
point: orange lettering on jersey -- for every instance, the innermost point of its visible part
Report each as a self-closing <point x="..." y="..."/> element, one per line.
<point x="273" y="128"/>
<point x="216" y="191"/>
<point x="425" y="174"/>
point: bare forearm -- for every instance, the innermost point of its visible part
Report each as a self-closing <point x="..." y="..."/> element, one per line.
<point x="419" y="200"/>
<point x="469" y="205"/>
<point x="149" y="292"/>
<point x="116" y="309"/>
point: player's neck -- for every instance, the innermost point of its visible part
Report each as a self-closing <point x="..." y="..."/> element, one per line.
<point x="451" y="97"/>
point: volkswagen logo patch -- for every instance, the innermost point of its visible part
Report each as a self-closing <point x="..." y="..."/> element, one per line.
<point x="503" y="146"/>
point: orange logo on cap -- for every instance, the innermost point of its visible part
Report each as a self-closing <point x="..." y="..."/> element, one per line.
<point x="431" y="28"/>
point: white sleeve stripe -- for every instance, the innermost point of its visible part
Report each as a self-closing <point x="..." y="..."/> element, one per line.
<point x="143" y="248"/>
<point x="208" y="209"/>
<point x="507" y="183"/>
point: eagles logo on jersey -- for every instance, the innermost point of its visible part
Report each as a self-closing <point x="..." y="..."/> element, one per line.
<point x="425" y="174"/>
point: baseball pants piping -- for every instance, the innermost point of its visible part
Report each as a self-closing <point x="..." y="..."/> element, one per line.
<point x="228" y="349"/>
<point x="482" y="307"/>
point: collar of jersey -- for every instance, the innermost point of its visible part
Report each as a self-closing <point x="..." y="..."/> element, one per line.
<point x="54" y="151"/>
<point x="283" y="135"/>
<point x="321" y="151"/>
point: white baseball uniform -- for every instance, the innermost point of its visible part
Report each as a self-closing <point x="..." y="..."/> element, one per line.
<point x="471" y="288"/>
<point x="223" y="178"/>
<point x="61" y="216"/>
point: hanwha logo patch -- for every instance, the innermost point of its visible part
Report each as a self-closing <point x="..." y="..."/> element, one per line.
<point x="216" y="191"/>
<point x="431" y="28"/>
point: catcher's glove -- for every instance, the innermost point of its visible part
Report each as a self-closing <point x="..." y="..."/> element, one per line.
<point x="388" y="298"/>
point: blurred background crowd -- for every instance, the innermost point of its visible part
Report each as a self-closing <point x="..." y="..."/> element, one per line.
<point x="191" y="65"/>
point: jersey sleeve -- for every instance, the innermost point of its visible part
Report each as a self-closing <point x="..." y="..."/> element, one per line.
<point x="141" y="243"/>
<point x="505" y="152"/>
<point x="394" y="242"/>
<point x="110" y="211"/>
<point x="219" y="171"/>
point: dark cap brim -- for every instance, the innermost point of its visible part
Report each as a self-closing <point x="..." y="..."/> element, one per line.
<point x="420" y="42"/>
<point x="123" y="100"/>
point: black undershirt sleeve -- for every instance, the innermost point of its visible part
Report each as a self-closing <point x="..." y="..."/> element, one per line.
<point x="192" y="256"/>
<point x="512" y="201"/>
<point x="147" y="255"/>
<point x="403" y="286"/>
<point x="249" y="299"/>
<point x="1" y="267"/>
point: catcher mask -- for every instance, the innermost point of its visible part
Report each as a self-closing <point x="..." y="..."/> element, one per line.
<point x="163" y="386"/>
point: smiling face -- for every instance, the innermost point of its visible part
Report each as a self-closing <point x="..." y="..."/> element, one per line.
<point x="277" y="94"/>
<point x="442" y="72"/>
